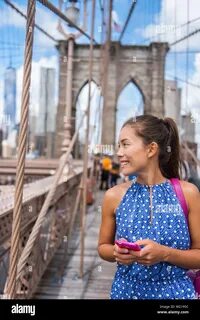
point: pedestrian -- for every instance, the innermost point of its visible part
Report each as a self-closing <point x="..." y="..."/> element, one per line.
<point x="147" y="211"/>
<point x="106" y="165"/>
<point x="114" y="173"/>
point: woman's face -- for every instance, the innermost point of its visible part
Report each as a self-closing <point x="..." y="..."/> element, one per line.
<point x="132" y="152"/>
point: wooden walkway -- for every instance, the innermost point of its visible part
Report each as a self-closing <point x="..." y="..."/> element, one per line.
<point x="62" y="281"/>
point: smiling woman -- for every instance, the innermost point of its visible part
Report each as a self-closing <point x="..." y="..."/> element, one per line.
<point x="147" y="211"/>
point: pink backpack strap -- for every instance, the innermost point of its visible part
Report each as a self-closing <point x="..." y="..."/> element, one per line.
<point x="177" y="187"/>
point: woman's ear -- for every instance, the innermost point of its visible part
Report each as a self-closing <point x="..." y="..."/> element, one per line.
<point x="152" y="149"/>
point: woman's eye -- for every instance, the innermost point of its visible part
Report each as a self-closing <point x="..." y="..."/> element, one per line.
<point x="124" y="145"/>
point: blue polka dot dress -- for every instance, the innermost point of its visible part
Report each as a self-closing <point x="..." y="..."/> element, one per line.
<point x="163" y="222"/>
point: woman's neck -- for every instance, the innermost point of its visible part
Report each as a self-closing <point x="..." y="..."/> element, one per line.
<point x="150" y="178"/>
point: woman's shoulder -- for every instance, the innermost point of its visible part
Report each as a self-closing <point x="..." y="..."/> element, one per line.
<point x="190" y="191"/>
<point x="188" y="187"/>
<point x="118" y="189"/>
<point x="116" y="193"/>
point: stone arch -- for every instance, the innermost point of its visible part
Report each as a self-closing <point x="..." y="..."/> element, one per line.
<point x="128" y="104"/>
<point x="81" y="100"/>
<point x="78" y="91"/>
<point x="135" y="82"/>
<point x="140" y="83"/>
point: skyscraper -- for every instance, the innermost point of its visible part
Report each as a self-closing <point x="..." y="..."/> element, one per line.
<point x="47" y="112"/>
<point x="10" y="96"/>
<point x="173" y="101"/>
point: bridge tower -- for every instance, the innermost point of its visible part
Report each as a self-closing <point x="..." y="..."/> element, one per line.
<point x="143" y="65"/>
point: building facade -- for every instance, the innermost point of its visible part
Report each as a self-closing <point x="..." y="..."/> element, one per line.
<point x="9" y="99"/>
<point x="45" y="125"/>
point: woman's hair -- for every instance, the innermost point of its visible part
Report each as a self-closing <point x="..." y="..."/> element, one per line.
<point x="165" y="133"/>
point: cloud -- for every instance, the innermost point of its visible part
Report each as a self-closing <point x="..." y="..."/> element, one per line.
<point x="50" y="26"/>
<point x="165" y="24"/>
<point x="10" y="17"/>
<point x="43" y="17"/>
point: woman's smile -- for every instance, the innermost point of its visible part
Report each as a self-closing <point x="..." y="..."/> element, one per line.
<point x="124" y="163"/>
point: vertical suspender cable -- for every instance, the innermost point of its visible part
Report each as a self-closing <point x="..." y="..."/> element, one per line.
<point x="85" y="169"/>
<point x="107" y="58"/>
<point x="175" y="65"/>
<point x="101" y="70"/>
<point x="187" y="56"/>
<point x="175" y="56"/>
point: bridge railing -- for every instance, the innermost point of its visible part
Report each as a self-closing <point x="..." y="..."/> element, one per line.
<point x="54" y="229"/>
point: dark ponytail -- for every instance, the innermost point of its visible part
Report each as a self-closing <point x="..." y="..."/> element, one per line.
<point x="171" y="167"/>
<point x="165" y="133"/>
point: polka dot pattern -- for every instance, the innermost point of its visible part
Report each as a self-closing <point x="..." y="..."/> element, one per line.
<point x="168" y="227"/>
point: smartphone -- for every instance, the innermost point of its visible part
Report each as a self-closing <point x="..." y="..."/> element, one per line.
<point x="128" y="245"/>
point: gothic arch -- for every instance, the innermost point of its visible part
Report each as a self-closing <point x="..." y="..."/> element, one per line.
<point x="77" y="92"/>
<point x="135" y="82"/>
<point x="81" y="104"/>
<point x="130" y="102"/>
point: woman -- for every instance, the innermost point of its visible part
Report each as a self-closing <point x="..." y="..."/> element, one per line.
<point x="147" y="211"/>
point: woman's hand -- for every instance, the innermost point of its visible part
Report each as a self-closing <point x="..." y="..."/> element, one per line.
<point x="152" y="252"/>
<point x="125" y="256"/>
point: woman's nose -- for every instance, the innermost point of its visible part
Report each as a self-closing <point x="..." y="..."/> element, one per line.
<point x="119" y="152"/>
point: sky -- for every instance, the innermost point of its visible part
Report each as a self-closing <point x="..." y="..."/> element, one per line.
<point x="152" y="20"/>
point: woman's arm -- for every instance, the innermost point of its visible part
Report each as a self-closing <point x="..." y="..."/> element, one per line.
<point x="107" y="229"/>
<point x="106" y="247"/>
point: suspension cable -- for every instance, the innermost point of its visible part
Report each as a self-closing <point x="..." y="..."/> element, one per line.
<point x="175" y="56"/>
<point x="185" y="81"/>
<point x="54" y="9"/>
<point x="85" y="169"/>
<point x="187" y="56"/>
<point x="24" y="16"/>
<point x="127" y="19"/>
<point x="185" y="37"/>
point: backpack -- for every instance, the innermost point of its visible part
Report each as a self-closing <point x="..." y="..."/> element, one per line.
<point x="193" y="274"/>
